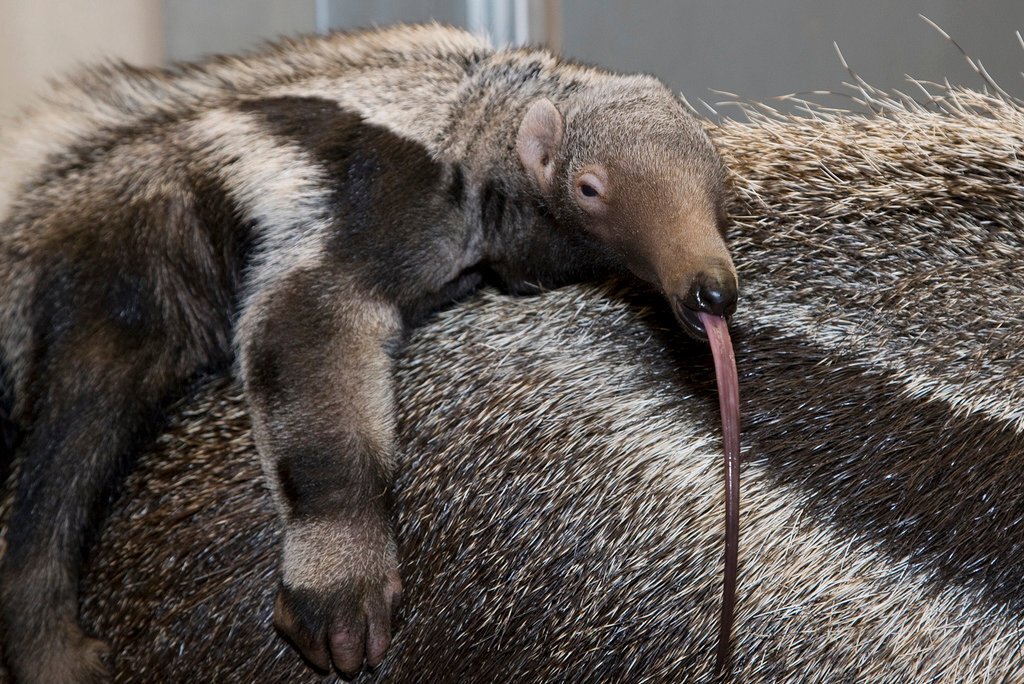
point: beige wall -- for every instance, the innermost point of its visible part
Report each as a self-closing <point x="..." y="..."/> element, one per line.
<point x="43" y="38"/>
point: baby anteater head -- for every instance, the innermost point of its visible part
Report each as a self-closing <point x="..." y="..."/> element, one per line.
<point x="626" y="163"/>
<point x="629" y="166"/>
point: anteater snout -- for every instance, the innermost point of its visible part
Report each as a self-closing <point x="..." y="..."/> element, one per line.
<point x="713" y="291"/>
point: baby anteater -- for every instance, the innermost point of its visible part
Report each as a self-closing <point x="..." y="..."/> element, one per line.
<point x="289" y="214"/>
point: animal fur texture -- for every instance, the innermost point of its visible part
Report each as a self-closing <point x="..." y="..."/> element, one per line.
<point x="559" y="488"/>
<point x="291" y="214"/>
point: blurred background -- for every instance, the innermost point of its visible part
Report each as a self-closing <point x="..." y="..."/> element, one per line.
<point x="757" y="50"/>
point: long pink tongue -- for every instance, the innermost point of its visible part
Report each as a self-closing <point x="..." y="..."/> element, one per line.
<point x="729" y="402"/>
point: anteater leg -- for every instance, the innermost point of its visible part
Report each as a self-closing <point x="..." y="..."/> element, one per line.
<point x="318" y="381"/>
<point x="92" y="405"/>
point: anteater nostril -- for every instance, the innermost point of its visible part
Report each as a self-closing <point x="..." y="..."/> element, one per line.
<point x="714" y="295"/>
<point x="711" y="293"/>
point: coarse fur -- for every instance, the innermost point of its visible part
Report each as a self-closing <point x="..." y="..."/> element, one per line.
<point x="290" y="215"/>
<point x="559" y="489"/>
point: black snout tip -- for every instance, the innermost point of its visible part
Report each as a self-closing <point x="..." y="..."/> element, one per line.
<point x="712" y="294"/>
<point x="716" y="298"/>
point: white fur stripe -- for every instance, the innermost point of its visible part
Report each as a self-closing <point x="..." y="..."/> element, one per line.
<point x="862" y="336"/>
<point x="275" y="185"/>
<point x="417" y="109"/>
<point x="798" y="574"/>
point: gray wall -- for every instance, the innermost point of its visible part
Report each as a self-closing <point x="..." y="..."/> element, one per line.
<point x="197" y="27"/>
<point x="764" y="49"/>
<point x="355" y="13"/>
<point x="755" y="49"/>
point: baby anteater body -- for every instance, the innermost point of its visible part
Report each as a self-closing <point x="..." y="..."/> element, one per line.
<point x="289" y="215"/>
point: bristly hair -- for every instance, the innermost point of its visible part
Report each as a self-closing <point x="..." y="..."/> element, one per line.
<point x="878" y="342"/>
<point x="8" y="431"/>
<point x="559" y="501"/>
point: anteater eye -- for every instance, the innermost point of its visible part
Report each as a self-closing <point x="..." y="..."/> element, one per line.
<point x="588" y="190"/>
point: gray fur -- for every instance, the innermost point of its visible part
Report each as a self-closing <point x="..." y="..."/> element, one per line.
<point x="290" y="214"/>
<point x="564" y="448"/>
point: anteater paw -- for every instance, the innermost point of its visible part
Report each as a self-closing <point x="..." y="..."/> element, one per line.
<point x="340" y="626"/>
<point x="339" y="588"/>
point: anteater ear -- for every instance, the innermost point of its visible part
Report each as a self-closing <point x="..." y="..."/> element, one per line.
<point x="540" y="135"/>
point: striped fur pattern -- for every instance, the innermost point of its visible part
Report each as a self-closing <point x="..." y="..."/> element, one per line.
<point x="559" y="492"/>
<point x="288" y="216"/>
